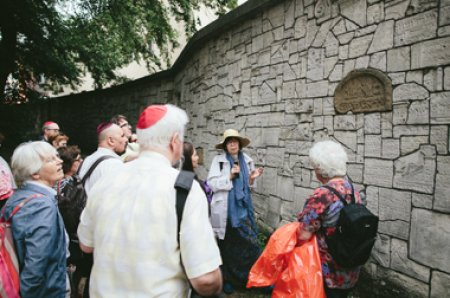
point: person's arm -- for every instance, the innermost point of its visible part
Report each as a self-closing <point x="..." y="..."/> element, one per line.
<point x="219" y="177"/>
<point x="39" y="243"/>
<point x="85" y="232"/>
<point x="208" y="284"/>
<point x="86" y="249"/>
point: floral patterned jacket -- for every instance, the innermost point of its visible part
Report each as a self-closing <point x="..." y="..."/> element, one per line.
<point x="322" y="210"/>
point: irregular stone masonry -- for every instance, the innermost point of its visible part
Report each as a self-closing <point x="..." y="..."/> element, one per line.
<point x="271" y="70"/>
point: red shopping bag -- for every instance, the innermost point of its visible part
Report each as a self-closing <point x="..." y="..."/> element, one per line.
<point x="295" y="270"/>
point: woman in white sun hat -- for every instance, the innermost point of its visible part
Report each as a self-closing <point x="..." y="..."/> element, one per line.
<point x="231" y="177"/>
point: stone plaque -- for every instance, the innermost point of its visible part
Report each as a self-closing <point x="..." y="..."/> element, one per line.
<point x="364" y="90"/>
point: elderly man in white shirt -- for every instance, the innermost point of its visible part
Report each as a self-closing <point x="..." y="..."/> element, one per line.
<point x="111" y="142"/>
<point x="130" y="221"/>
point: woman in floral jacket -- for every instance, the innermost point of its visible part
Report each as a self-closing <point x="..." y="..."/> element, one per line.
<point x="321" y="213"/>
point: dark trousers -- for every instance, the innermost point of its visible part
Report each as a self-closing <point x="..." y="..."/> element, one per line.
<point x="337" y="293"/>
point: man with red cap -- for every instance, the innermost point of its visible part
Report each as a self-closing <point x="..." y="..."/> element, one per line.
<point x="130" y="221"/>
<point x="49" y="129"/>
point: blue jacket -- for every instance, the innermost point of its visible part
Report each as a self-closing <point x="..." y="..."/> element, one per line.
<point x="39" y="238"/>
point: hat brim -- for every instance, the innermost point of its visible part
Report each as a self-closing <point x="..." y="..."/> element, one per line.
<point x="243" y="141"/>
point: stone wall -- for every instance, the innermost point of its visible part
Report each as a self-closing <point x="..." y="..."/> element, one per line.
<point x="271" y="69"/>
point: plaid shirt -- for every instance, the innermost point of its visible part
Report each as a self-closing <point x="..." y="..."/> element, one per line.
<point x="322" y="210"/>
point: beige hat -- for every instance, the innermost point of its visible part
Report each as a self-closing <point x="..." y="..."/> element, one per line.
<point x="232" y="133"/>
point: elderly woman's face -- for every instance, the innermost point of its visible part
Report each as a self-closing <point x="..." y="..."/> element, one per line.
<point x="51" y="170"/>
<point x="233" y="146"/>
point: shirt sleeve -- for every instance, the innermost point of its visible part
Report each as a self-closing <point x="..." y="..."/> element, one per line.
<point x="40" y="242"/>
<point x="85" y="228"/>
<point x="219" y="179"/>
<point x="199" y="250"/>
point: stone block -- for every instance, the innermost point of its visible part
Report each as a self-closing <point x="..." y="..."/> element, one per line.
<point x="400" y="262"/>
<point x="397" y="78"/>
<point x="378" y="61"/>
<point x="416" y="28"/>
<point x="362" y="62"/>
<point x="429" y="239"/>
<point x="273" y="217"/>
<point x="322" y="34"/>
<point x="287" y="212"/>
<point x="396" y="11"/>
<point x="317" y="89"/>
<point x="395" y="212"/>
<point x="274" y="157"/>
<point x="331" y="45"/>
<point x="408" y="130"/>
<point x="411" y="143"/>
<point x="447" y="78"/>
<point x="390" y="148"/>
<point x="315" y="64"/>
<point x="354" y="10"/>
<point x="414" y="288"/>
<point x="344" y="122"/>
<point x="430" y="53"/>
<point x="418" y="112"/>
<point x="372" y="146"/>
<point x="285" y="187"/>
<point x="355" y="171"/>
<point x="372" y="201"/>
<point x="381" y="250"/>
<point x="268" y="181"/>
<point x="433" y="79"/>
<point x="383" y="38"/>
<point x="345" y="38"/>
<point x="441" y="195"/>
<point x="422" y="201"/>
<point x="440" y="282"/>
<point x="414" y="76"/>
<point x="440" y="108"/>
<point x="378" y="172"/>
<point x="398" y="59"/>
<point x="444" y="16"/>
<point x="444" y="31"/>
<point x="328" y="65"/>
<point x="343" y="52"/>
<point x="375" y="13"/>
<point x="302" y="177"/>
<point x="270" y="136"/>
<point x="346" y="138"/>
<point x="336" y="73"/>
<point x="328" y="106"/>
<point x="439" y="137"/>
<point x="358" y="46"/>
<point x="400" y="113"/>
<point x="386" y="125"/>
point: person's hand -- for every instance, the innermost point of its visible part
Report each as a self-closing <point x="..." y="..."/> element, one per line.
<point x="256" y="173"/>
<point x="234" y="170"/>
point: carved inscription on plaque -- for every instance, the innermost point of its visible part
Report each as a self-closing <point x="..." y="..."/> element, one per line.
<point x="364" y="90"/>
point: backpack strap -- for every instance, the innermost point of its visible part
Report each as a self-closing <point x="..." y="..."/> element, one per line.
<point x="183" y="185"/>
<point x="339" y="195"/>
<point x="19" y="206"/>
<point x="92" y="168"/>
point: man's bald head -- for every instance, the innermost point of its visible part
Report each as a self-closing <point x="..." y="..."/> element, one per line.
<point x="112" y="137"/>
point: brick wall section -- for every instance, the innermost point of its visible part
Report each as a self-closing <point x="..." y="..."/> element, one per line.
<point x="270" y="70"/>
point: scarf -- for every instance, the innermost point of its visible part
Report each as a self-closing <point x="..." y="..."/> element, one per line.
<point x="240" y="205"/>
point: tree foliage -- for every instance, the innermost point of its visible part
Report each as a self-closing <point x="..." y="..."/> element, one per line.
<point x="61" y="39"/>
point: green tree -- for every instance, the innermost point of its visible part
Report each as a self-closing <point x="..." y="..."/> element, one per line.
<point x="61" y="39"/>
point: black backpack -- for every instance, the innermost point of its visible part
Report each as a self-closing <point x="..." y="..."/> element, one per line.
<point x="72" y="200"/>
<point x="355" y="234"/>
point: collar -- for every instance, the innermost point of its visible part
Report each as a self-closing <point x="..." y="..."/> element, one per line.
<point x="107" y="151"/>
<point x="48" y="190"/>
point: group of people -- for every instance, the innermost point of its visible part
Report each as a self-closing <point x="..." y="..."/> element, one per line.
<point x="129" y="224"/>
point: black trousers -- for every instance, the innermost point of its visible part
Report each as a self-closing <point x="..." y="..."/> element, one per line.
<point x="337" y="293"/>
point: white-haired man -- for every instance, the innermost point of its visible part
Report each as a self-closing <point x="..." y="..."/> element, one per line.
<point x="49" y="129"/>
<point x="130" y="221"/>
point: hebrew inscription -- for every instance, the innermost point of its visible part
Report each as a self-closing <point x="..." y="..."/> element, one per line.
<point x="364" y="90"/>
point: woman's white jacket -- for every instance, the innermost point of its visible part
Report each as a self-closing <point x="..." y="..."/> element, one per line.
<point x="220" y="183"/>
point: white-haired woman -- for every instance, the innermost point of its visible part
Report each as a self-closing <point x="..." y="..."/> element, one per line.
<point x="231" y="176"/>
<point x="321" y="212"/>
<point x="38" y="229"/>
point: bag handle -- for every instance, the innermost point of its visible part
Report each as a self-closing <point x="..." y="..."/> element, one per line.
<point x="183" y="185"/>
<point x="92" y="168"/>
<point x="18" y="207"/>
<point x="339" y="195"/>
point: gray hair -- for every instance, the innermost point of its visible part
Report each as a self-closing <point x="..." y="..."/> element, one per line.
<point x="28" y="159"/>
<point x="159" y="135"/>
<point x="329" y="159"/>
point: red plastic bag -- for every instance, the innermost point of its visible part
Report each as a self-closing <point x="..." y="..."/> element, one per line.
<point x="295" y="270"/>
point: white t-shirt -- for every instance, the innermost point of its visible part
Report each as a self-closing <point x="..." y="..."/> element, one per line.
<point x="104" y="167"/>
<point x="130" y="221"/>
